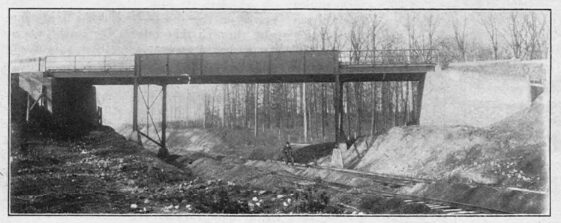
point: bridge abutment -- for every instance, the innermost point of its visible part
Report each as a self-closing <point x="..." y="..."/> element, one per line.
<point x="74" y="106"/>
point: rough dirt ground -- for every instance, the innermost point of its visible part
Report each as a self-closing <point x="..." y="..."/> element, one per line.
<point x="239" y="143"/>
<point x="231" y="142"/>
<point x="104" y="173"/>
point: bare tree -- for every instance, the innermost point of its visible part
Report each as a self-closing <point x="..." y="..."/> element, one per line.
<point x="431" y="22"/>
<point x="516" y="35"/>
<point x="304" y="112"/>
<point x="534" y="28"/>
<point x="357" y="40"/>
<point x="460" y="36"/>
<point x="255" y="106"/>
<point x="410" y="29"/>
<point x="489" y="22"/>
<point x="375" y="25"/>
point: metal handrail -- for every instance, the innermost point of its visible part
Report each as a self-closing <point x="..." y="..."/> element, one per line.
<point x="126" y="62"/>
<point x="90" y="62"/>
<point x="389" y="57"/>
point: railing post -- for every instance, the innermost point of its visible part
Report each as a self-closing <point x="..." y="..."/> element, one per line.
<point x="409" y="51"/>
<point x="75" y="62"/>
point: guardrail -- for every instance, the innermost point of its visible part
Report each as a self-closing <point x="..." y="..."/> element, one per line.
<point x="90" y="62"/>
<point x="389" y="57"/>
<point x="126" y="62"/>
<point x="75" y="62"/>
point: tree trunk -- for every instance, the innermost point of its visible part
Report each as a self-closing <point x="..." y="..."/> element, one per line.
<point x="204" y="111"/>
<point x="373" y="117"/>
<point x="323" y="109"/>
<point x="304" y="112"/>
<point x="396" y="104"/>
<point x="212" y="112"/>
<point x="266" y="105"/>
<point x="406" y="106"/>
<point x="255" y="99"/>
<point x="385" y="105"/>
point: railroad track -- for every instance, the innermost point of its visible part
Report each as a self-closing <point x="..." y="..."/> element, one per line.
<point x="446" y="207"/>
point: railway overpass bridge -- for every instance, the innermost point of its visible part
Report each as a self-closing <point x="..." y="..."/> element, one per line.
<point x="65" y="84"/>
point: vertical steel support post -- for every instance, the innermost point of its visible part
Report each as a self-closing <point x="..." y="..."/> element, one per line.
<point x="163" y="152"/>
<point x="135" y="94"/>
<point x="27" y="108"/>
<point x="338" y="108"/>
<point x="420" y="87"/>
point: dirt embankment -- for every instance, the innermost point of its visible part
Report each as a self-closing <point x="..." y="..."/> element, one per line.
<point x="510" y="153"/>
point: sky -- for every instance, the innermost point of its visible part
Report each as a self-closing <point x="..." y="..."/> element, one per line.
<point x="37" y="33"/>
<point x="40" y="33"/>
<point x="67" y="32"/>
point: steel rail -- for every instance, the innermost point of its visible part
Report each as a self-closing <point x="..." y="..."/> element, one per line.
<point x="405" y="180"/>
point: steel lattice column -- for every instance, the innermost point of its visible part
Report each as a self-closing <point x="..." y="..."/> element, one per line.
<point x="163" y="152"/>
<point x="338" y="96"/>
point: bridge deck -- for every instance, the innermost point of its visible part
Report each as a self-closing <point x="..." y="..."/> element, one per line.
<point x="241" y="67"/>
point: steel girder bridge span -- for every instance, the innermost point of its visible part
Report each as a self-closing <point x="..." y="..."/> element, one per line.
<point x="72" y="73"/>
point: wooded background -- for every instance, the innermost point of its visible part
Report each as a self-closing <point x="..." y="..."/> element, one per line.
<point x="305" y="110"/>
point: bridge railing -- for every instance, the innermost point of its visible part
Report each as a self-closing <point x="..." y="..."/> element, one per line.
<point x="90" y="62"/>
<point x="389" y="57"/>
<point x="126" y="62"/>
<point x="34" y="64"/>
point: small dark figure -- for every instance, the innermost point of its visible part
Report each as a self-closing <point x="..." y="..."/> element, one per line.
<point x="288" y="154"/>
